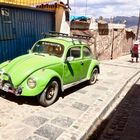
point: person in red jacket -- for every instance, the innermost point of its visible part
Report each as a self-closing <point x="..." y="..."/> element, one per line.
<point x="135" y="52"/>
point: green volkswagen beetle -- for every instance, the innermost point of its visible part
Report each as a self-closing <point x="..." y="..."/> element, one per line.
<point x="52" y="65"/>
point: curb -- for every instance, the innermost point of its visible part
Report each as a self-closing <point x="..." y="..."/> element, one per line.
<point x="113" y="103"/>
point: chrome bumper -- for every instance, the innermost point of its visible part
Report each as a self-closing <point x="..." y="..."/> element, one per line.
<point x="7" y="85"/>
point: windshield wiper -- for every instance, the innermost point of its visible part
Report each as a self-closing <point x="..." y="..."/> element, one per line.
<point x="39" y="54"/>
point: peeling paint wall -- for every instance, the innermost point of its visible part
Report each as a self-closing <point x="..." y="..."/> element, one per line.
<point x="116" y="43"/>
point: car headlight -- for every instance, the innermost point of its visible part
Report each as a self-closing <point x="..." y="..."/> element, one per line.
<point x="31" y="83"/>
<point x="1" y="71"/>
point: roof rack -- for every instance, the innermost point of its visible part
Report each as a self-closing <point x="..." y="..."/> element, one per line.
<point x="81" y="36"/>
<point x="57" y="34"/>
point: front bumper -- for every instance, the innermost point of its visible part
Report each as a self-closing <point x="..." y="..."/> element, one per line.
<point x="7" y="85"/>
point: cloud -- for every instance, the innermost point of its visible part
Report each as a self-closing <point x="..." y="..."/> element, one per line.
<point x="105" y="8"/>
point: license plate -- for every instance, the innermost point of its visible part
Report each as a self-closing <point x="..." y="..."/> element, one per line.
<point x="0" y="84"/>
<point x="5" y="88"/>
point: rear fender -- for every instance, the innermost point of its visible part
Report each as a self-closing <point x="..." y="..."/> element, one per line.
<point x="94" y="64"/>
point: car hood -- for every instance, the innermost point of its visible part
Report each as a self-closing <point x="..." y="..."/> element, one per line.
<point x="21" y="67"/>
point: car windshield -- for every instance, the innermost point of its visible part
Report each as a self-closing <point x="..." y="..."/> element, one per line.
<point x="48" y="48"/>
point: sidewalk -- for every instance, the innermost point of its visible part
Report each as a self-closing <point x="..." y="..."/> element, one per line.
<point x="74" y="116"/>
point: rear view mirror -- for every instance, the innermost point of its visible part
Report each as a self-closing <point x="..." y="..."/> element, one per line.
<point x="29" y="51"/>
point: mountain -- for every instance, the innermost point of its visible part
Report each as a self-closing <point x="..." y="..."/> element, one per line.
<point x="129" y="21"/>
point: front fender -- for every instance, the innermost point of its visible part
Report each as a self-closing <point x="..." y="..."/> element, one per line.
<point x="2" y="65"/>
<point x="94" y="64"/>
<point x="42" y="78"/>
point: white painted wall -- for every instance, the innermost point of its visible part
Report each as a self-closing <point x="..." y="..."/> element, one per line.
<point x="65" y="26"/>
<point x="61" y="24"/>
<point x="93" y="24"/>
<point x="117" y="26"/>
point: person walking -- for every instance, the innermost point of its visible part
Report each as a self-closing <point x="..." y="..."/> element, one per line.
<point x="134" y="51"/>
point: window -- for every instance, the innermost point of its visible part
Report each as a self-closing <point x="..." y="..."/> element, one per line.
<point x="7" y="31"/>
<point x="75" y="52"/>
<point x="67" y="14"/>
<point x="86" y="52"/>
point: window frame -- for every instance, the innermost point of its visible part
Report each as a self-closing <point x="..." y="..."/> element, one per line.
<point x="90" y="56"/>
<point x="75" y="58"/>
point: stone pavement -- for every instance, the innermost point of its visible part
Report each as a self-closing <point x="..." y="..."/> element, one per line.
<point x="75" y="115"/>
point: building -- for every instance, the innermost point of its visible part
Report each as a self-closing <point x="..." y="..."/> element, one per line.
<point x="62" y="15"/>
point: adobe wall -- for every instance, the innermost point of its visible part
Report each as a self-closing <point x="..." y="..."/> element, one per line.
<point x="115" y="43"/>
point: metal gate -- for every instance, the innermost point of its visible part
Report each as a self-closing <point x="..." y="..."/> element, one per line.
<point x="20" y="27"/>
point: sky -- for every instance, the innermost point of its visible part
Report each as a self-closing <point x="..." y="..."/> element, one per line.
<point x="105" y="8"/>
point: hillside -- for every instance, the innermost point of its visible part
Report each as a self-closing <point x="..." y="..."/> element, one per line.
<point x="129" y="21"/>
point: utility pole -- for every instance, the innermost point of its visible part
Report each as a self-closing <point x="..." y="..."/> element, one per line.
<point x="68" y="3"/>
<point x="138" y="28"/>
<point x="112" y="47"/>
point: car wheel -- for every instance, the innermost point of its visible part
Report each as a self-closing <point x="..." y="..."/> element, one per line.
<point x="93" y="77"/>
<point x="50" y="94"/>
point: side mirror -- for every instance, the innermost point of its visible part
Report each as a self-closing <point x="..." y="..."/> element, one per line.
<point x="70" y="58"/>
<point x="29" y="51"/>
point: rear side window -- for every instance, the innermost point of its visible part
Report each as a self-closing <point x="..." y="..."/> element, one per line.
<point x="86" y="52"/>
<point x="75" y="52"/>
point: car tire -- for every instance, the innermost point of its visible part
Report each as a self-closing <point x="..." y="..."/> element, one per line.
<point x="93" y="76"/>
<point x="49" y="94"/>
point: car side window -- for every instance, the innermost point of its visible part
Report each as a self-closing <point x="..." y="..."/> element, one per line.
<point x="86" y="52"/>
<point x="74" y="52"/>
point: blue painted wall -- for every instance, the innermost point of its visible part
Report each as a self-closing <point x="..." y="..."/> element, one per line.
<point x="20" y="28"/>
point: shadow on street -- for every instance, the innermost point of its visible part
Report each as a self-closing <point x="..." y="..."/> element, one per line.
<point x="73" y="89"/>
<point x="20" y="100"/>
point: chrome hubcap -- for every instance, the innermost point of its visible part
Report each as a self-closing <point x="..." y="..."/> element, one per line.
<point x="94" y="76"/>
<point x="50" y="93"/>
<point x="52" y="89"/>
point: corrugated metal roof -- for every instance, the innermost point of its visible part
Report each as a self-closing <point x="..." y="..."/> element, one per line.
<point x="26" y="2"/>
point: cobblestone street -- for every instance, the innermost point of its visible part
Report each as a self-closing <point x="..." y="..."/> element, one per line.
<point x="76" y="114"/>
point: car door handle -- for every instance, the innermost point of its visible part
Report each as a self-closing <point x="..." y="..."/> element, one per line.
<point x="81" y="62"/>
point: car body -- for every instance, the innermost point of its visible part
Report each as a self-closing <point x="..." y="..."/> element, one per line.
<point x="52" y="65"/>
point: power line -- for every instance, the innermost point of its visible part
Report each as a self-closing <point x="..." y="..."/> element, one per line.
<point x="86" y="9"/>
<point x="137" y="35"/>
<point x="74" y="7"/>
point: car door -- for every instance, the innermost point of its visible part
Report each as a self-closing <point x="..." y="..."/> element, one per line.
<point x="73" y="66"/>
<point x="86" y="60"/>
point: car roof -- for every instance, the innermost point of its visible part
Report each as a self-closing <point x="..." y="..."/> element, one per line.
<point x="67" y="42"/>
